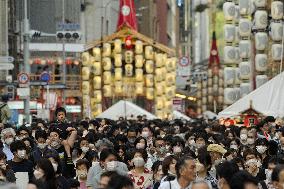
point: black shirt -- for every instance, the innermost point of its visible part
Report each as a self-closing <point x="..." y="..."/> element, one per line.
<point x="23" y="166"/>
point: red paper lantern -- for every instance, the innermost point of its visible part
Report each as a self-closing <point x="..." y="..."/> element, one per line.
<point x="49" y="61"/>
<point x="128" y="42"/>
<point x="68" y="61"/>
<point x="37" y="61"/>
<point x="72" y="100"/>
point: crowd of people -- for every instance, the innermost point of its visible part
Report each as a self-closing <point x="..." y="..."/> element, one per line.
<point x="142" y="154"/>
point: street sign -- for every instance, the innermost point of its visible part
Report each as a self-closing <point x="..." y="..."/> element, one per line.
<point x="68" y="26"/>
<point x="23" y="78"/>
<point x="23" y="92"/>
<point x="45" y="77"/>
<point x="6" y="59"/>
<point x="6" y="66"/>
<point x="184" y="61"/>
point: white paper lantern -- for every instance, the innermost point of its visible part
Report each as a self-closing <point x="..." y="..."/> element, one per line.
<point x="159" y="90"/>
<point x="128" y="56"/>
<point x="118" y="87"/>
<point x="96" y="68"/>
<point x="85" y="73"/>
<point x="107" y="91"/>
<point x="221" y="73"/>
<point x="118" y="74"/>
<point x="210" y="82"/>
<point x="204" y="84"/>
<point x="245" y="70"/>
<point x="221" y="82"/>
<point x="229" y="10"/>
<point x="139" y="75"/>
<point x="170" y="92"/>
<point x="170" y="66"/>
<point x="149" y="82"/>
<point x="138" y="47"/>
<point x="237" y="34"/>
<point x="97" y="110"/>
<point x="199" y="103"/>
<point x="163" y="73"/>
<point x="160" y="114"/>
<point x="260" y="19"/>
<point x="220" y="90"/>
<point x="98" y="96"/>
<point x="85" y="87"/>
<point x="97" y="54"/>
<point x="168" y="105"/>
<point x="229" y="32"/>
<point x="117" y="46"/>
<point x="210" y="90"/>
<point x="215" y="89"/>
<point x="158" y="75"/>
<point x="149" y="53"/>
<point x="204" y="91"/>
<point x="260" y="80"/>
<point x="159" y="103"/>
<point x="245" y="48"/>
<point x="244" y="7"/>
<point x="139" y="61"/>
<point x="277" y="10"/>
<point x="107" y="77"/>
<point x="97" y="82"/>
<point x="106" y="63"/>
<point x="209" y="73"/>
<point x="229" y="76"/>
<point x="229" y="55"/>
<point x="204" y="108"/>
<point x="150" y="93"/>
<point x="261" y="62"/>
<point x="261" y="41"/>
<point x="149" y="66"/>
<point x="245" y="88"/>
<point x="220" y="99"/>
<point x="118" y="60"/>
<point x="260" y="3"/>
<point x="199" y="94"/>
<point x="159" y="60"/>
<point x="106" y="49"/>
<point x="229" y="96"/>
<point x="237" y="93"/>
<point x="276" y="52"/>
<point x="237" y="76"/>
<point x="210" y="99"/>
<point x="204" y="100"/>
<point x="128" y="70"/>
<point x="245" y="27"/>
<point x="237" y="12"/>
<point x="276" y="31"/>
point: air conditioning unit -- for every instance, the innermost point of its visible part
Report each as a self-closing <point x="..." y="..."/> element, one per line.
<point x="261" y="19"/>
<point x="276" y="52"/>
<point x="97" y="54"/>
<point x="245" y="27"/>
<point x="128" y="70"/>
<point x="277" y="10"/>
<point x="261" y="41"/>
<point x="229" y="55"/>
<point x="138" y="47"/>
<point x="245" y="88"/>
<point x="245" y="70"/>
<point x="261" y="62"/>
<point x="138" y="61"/>
<point x="106" y="49"/>
<point x="117" y="46"/>
<point x="260" y="80"/>
<point x="149" y="66"/>
<point x="260" y="3"/>
<point x="85" y="73"/>
<point x="244" y="7"/>
<point x="97" y="82"/>
<point x="149" y="52"/>
<point x="245" y="48"/>
<point x="229" y="32"/>
<point x="229" y="76"/>
<point x="117" y="60"/>
<point x="128" y="56"/>
<point x="96" y="68"/>
<point x="276" y="31"/>
<point x="237" y="76"/>
<point x="229" y="10"/>
<point x="106" y="63"/>
<point x="230" y="96"/>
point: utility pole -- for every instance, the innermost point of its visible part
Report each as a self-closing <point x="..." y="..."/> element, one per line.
<point x="27" y="68"/>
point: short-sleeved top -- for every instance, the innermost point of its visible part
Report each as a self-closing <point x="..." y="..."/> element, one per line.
<point x="23" y="166"/>
<point x="141" y="181"/>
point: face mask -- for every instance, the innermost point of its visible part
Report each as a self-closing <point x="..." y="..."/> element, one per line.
<point x="38" y="174"/>
<point x="250" y="141"/>
<point x="162" y="136"/>
<point x="243" y="136"/>
<point x="85" y="149"/>
<point x="82" y="174"/>
<point x="91" y="128"/>
<point x="235" y="147"/>
<point x="191" y="143"/>
<point x="268" y="174"/>
<point x="54" y="144"/>
<point x="85" y="133"/>
<point x="145" y="134"/>
<point x="21" y="154"/>
<point x="9" y="141"/>
<point x="55" y="166"/>
<point x="199" y="145"/>
<point x="138" y="162"/>
<point x="261" y="149"/>
<point x="111" y="165"/>
<point x="241" y="168"/>
<point x="177" y="149"/>
<point x="140" y="146"/>
<point x="131" y="140"/>
<point x="162" y="149"/>
<point x="41" y="146"/>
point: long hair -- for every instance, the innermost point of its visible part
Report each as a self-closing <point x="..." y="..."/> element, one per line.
<point x="49" y="174"/>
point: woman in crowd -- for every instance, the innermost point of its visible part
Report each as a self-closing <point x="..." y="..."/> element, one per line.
<point x="168" y="168"/>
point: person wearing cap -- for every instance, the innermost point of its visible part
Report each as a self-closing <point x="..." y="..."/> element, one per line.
<point x="216" y="152"/>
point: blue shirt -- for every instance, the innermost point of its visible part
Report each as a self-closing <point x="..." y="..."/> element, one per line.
<point x="7" y="152"/>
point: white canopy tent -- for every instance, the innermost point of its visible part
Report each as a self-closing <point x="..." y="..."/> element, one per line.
<point x="179" y="115"/>
<point x="267" y="99"/>
<point x="125" y="108"/>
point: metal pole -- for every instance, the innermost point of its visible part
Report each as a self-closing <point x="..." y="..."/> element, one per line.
<point x="63" y="56"/>
<point x="27" y="68"/>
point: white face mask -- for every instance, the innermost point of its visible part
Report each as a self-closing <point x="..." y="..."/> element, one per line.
<point x="250" y="141"/>
<point x="261" y="149"/>
<point x="38" y="174"/>
<point x="191" y="142"/>
<point x="54" y="144"/>
<point x="41" y="145"/>
<point x="82" y="174"/>
<point x="9" y="141"/>
<point x="55" y="166"/>
<point x="111" y="166"/>
<point x="21" y="154"/>
<point x="140" y="146"/>
<point x="177" y="149"/>
<point x="85" y="149"/>
<point x="145" y="134"/>
<point x="243" y="136"/>
<point x="138" y="162"/>
<point x="268" y="174"/>
<point x="233" y="146"/>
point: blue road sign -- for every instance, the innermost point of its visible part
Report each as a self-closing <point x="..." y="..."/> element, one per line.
<point x="45" y="77"/>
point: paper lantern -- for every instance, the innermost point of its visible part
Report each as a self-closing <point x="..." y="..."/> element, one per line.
<point x="261" y="41"/>
<point x="159" y="103"/>
<point x="159" y="90"/>
<point x="128" y="70"/>
<point x="244" y="7"/>
<point x="158" y="75"/>
<point x="245" y="27"/>
<point x="76" y="62"/>
<point x="128" y="56"/>
<point x="85" y="73"/>
<point x="245" y="88"/>
<point x="97" y="82"/>
<point x="237" y="34"/>
<point x="170" y="65"/>
<point x="86" y="100"/>
<point x="229" y="10"/>
<point x="260" y="19"/>
<point x="85" y="58"/>
<point x="159" y="60"/>
<point x="276" y="52"/>
<point x="260" y="3"/>
<point x="139" y="88"/>
<point x="107" y="63"/>
<point x="204" y="91"/>
<point x="149" y="53"/>
<point x="139" y="75"/>
<point x="60" y="62"/>
<point x="260" y="80"/>
<point x="277" y="10"/>
<point x="163" y="73"/>
<point x="245" y="70"/>
<point x="210" y="99"/>
<point x="106" y="49"/>
<point x="117" y="46"/>
<point x="150" y="93"/>
<point x="199" y="85"/>
<point x="245" y="48"/>
<point x="221" y="82"/>
<point x="97" y="110"/>
<point x="204" y="84"/>
<point x="168" y="105"/>
<point x="220" y="90"/>
<point x="237" y="12"/>
<point x="96" y="68"/>
<point x="43" y="62"/>
<point x="229" y="55"/>
<point x="117" y="60"/>
<point x="149" y="66"/>
<point x="215" y="79"/>
<point x="276" y="31"/>
<point x="220" y="99"/>
<point x="85" y="87"/>
<point x="118" y="74"/>
<point x="221" y="73"/>
<point x="215" y="89"/>
<point x="138" y="47"/>
<point x="204" y="108"/>
<point x="170" y="79"/>
<point x="210" y="82"/>
<point x="210" y="90"/>
<point x="118" y="87"/>
<point x="237" y="77"/>
<point x="138" y="61"/>
<point x="107" y="91"/>
<point x="170" y="92"/>
<point x="97" y="54"/>
<point x="98" y="96"/>
<point x="107" y="77"/>
<point x="160" y="114"/>
<point x="229" y="30"/>
<point x="261" y="62"/>
<point x="199" y="94"/>
<point x="229" y="96"/>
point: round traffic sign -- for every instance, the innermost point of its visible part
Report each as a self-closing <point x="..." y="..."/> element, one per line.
<point x="45" y="77"/>
<point x="23" y="78"/>
<point x="184" y="61"/>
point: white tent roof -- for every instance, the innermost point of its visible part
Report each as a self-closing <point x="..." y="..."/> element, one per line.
<point x="209" y="114"/>
<point x="124" y="108"/>
<point x="179" y="115"/>
<point x="267" y="99"/>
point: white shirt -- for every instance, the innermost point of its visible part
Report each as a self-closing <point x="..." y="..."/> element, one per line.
<point x="7" y="152"/>
<point x="171" y="185"/>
